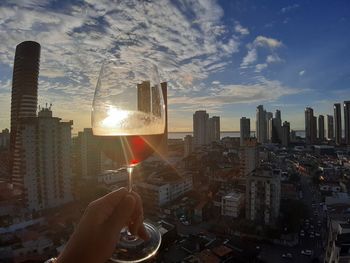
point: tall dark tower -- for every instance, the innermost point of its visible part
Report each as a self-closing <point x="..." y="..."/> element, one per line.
<point x="23" y="100"/>
<point x="337" y="123"/>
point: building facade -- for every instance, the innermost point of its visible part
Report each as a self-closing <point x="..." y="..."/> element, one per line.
<point x="261" y="124"/>
<point x="44" y="153"/>
<point x="24" y="99"/>
<point x="200" y="120"/>
<point x="310" y="126"/>
<point x="330" y="127"/>
<point x="231" y="204"/>
<point x="263" y="195"/>
<point x="188" y="145"/>
<point x="248" y="157"/>
<point x="4" y="139"/>
<point x="213" y="129"/>
<point x="347" y="121"/>
<point x="286" y="134"/>
<point x="337" y="124"/>
<point x="321" y="128"/>
<point x="244" y="129"/>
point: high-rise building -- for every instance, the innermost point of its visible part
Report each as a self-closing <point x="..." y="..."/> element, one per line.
<point x="200" y="124"/>
<point x="269" y="117"/>
<point x="144" y="97"/>
<point x="263" y="195"/>
<point x="278" y="124"/>
<point x="310" y="126"/>
<point x="314" y="128"/>
<point x="188" y="145"/>
<point x="321" y="127"/>
<point x="24" y="99"/>
<point x="244" y="129"/>
<point x="87" y="163"/>
<point x="213" y="131"/>
<point x="163" y="149"/>
<point x="347" y="121"/>
<point x="275" y="130"/>
<point x="248" y="156"/>
<point x="44" y="152"/>
<point x="330" y="127"/>
<point x="285" y="134"/>
<point x="337" y="123"/>
<point x="24" y="84"/>
<point x="261" y="125"/>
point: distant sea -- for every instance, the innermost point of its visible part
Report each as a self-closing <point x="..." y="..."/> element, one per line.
<point x="181" y="135"/>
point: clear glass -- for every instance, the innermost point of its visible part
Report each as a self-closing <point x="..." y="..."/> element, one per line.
<point x="128" y="115"/>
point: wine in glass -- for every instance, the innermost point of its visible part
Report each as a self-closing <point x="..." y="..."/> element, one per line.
<point x="128" y="115"/>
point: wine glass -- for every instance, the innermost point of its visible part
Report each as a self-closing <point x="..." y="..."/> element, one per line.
<point x="128" y="116"/>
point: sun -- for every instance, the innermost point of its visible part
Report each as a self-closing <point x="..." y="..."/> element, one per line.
<point x="115" y="117"/>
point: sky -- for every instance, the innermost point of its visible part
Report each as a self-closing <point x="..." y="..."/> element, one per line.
<point x="222" y="56"/>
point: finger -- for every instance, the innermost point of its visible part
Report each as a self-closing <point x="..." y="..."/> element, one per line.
<point x="122" y="214"/>
<point x="112" y="199"/>
<point x="142" y="233"/>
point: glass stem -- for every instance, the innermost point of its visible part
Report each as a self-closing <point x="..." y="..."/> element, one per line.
<point x="130" y="169"/>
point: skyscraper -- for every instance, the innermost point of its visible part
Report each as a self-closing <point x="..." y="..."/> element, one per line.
<point x="144" y="97"/>
<point x="310" y="126"/>
<point x="200" y="120"/>
<point x="213" y="131"/>
<point x="269" y="117"/>
<point x="188" y="145"/>
<point x="163" y="149"/>
<point x="23" y="101"/>
<point x="347" y="121"/>
<point x="337" y="123"/>
<point x="278" y="124"/>
<point x="285" y="140"/>
<point x="261" y="125"/>
<point x="244" y="129"/>
<point x="330" y="127"/>
<point x="321" y="127"/>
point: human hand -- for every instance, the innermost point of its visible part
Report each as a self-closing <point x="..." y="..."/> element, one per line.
<point x="98" y="232"/>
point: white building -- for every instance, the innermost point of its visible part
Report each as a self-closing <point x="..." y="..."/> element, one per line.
<point x="263" y="195"/>
<point x="231" y="204"/>
<point x="42" y="161"/>
<point x="113" y="177"/>
<point x="200" y="124"/>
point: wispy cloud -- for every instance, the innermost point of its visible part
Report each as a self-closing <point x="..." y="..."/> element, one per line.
<point x="240" y="29"/>
<point x="289" y="8"/>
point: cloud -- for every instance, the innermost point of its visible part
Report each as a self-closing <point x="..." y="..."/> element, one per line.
<point x="252" y="54"/>
<point x="289" y="8"/>
<point x="188" y="40"/>
<point x="240" y="29"/>
<point x="301" y="73"/>
<point x="263" y="90"/>
<point x="215" y="82"/>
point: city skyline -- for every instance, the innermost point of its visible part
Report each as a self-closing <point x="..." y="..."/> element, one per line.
<point x="225" y="58"/>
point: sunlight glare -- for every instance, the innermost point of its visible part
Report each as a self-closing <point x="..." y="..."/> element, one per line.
<point x="115" y="117"/>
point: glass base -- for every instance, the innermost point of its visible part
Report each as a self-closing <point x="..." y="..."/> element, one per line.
<point x="134" y="249"/>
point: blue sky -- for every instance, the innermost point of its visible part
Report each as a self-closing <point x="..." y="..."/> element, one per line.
<point x="223" y="56"/>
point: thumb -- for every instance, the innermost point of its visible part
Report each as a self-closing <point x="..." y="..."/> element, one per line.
<point x="122" y="213"/>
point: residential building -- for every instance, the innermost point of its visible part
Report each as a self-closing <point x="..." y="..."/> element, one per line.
<point x="286" y="134"/>
<point x="213" y="129"/>
<point x="330" y="127"/>
<point x="231" y="204"/>
<point x="200" y="120"/>
<point x="275" y="130"/>
<point x="337" y="124"/>
<point x="278" y="124"/>
<point x="162" y="187"/>
<point x="248" y="156"/>
<point x="263" y="195"/>
<point x="310" y="126"/>
<point x="244" y="129"/>
<point x="87" y="161"/>
<point x="43" y="154"/>
<point x="261" y="124"/>
<point x="347" y="121"/>
<point x="321" y="127"/>
<point x="188" y="145"/>
<point x="23" y="99"/>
